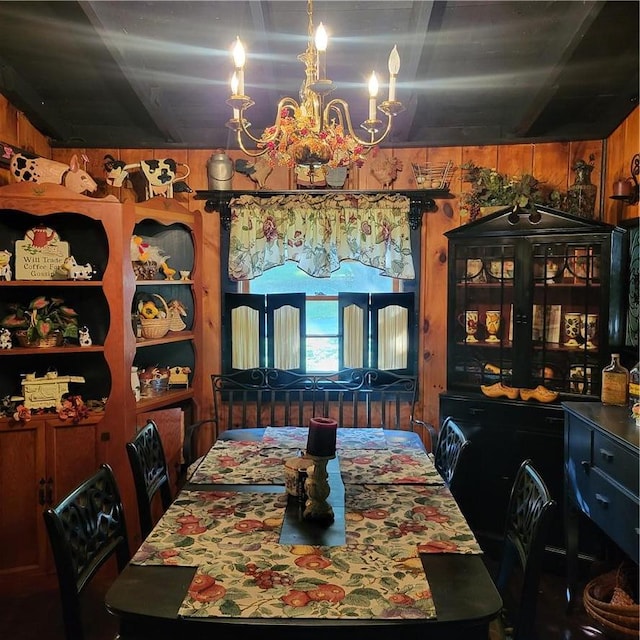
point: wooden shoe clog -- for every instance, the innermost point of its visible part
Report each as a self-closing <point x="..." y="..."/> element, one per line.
<point x="499" y="390"/>
<point x="540" y="393"/>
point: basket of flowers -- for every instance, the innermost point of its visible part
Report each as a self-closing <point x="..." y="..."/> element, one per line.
<point x="154" y="320"/>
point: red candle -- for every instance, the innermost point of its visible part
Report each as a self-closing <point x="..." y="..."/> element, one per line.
<point x="321" y="441"/>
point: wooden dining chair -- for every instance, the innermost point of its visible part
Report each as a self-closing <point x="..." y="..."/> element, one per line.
<point x="150" y="474"/>
<point x="86" y="528"/>
<point x="527" y="524"/>
<point x="450" y="451"/>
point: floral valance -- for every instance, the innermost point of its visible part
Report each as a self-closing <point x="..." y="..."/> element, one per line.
<point x="318" y="232"/>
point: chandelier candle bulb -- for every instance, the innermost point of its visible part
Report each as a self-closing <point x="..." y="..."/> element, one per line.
<point x="321" y="48"/>
<point x="373" y="92"/>
<point x="239" y="60"/>
<point x="321" y="441"/>
<point x="234" y="92"/>
<point x="394" y="68"/>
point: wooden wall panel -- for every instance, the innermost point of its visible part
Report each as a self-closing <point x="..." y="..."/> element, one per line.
<point x="622" y="145"/>
<point x="16" y="130"/>
<point x="549" y="162"/>
<point x="433" y="295"/>
<point x="515" y="160"/>
<point x="551" y="165"/>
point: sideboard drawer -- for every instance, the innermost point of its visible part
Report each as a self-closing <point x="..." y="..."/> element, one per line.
<point x="614" y="511"/>
<point x="619" y="463"/>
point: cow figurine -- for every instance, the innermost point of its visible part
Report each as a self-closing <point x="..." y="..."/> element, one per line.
<point x="5" y="339"/>
<point x="26" y="168"/>
<point x="77" y="271"/>
<point x="160" y="175"/>
<point x="84" y="338"/>
<point x="5" y="265"/>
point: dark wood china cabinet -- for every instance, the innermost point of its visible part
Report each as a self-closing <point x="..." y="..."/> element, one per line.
<point x="534" y="301"/>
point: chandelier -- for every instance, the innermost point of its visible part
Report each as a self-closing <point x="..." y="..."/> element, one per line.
<point x="313" y="133"/>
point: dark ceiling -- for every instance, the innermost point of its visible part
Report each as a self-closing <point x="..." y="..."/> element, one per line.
<point x="156" y="74"/>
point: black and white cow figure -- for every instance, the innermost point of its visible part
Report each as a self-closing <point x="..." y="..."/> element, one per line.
<point x="161" y="176"/>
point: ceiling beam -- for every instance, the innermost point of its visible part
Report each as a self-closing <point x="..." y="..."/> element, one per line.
<point x="150" y="96"/>
<point x="22" y="96"/>
<point x="545" y="95"/>
<point x="414" y="47"/>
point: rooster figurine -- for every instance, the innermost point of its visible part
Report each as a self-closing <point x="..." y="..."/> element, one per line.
<point x="257" y="170"/>
<point x="384" y="169"/>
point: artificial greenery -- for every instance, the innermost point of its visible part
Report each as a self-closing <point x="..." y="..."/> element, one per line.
<point x="41" y="317"/>
<point x="489" y="188"/>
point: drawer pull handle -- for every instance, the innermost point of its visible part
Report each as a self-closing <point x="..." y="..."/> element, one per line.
<point x="474" y="411"/>
<point x="606" y="455"/>
<point x="586" y="465"/>
<point x="602" y="500"/>
<point x="551" y="421"/>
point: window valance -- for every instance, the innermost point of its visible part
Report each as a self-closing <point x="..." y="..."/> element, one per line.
<point x="318" y="232"/>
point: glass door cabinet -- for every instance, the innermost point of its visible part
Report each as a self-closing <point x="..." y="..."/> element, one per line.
<point x="534" y="300"/>
<point x="534" y="303"/>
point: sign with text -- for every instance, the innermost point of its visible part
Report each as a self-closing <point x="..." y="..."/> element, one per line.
<point x="40" y="254"/>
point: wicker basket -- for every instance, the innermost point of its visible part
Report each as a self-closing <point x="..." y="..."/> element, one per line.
<point x="618" y="620"/>
<point x="432" y="175"/>
<point x="52" y="340"/>
<point x="154" y="328"/>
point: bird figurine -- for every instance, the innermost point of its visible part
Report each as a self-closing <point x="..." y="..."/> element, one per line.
<point x="384" y="169"/>
<point x="257" y="170"/>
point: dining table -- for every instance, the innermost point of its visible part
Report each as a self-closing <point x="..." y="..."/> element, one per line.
<point x="235" y="557"/>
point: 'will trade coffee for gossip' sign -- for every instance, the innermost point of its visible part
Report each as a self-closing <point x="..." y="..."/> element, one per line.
<point x="40" y="254"/>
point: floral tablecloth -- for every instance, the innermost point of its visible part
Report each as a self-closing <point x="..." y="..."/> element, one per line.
<point x="365" y="455"/>
<point x="388" y="466"/>
<point x="296" y="438"/>
<point x="427" y="517"/>
<point x="284" y="581"/>
<point x="396" y="507"/>
<point x="242" y="462"/>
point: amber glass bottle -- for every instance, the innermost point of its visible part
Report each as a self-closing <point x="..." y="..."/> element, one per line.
<point x="615" y="382"/>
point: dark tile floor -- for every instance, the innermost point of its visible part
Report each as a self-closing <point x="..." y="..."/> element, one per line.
<point x="37" y="617"/>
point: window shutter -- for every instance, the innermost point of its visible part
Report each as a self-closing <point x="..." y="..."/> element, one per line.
<point x="244" y="330"/>
<point x="353" y="328"/>
<point x="286" y="325"/>
<point x="393" y="332"/>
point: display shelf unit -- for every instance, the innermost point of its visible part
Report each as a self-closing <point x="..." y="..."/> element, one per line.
<point x="44" y="458"/>
<point x="534" y="299"/>
<point x="176" y="231"/>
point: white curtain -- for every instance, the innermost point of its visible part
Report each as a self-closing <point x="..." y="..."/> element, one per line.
<point x="245" y="343"/>
<point x="393" y="337"/>
<point x="353" y="338"/>
<point x="286" y="354"/>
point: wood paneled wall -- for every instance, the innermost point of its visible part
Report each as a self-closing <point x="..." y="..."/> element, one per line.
<point x="16" y="130"/>
<point x="549" y="162"/>
<point x="622" y="145"/>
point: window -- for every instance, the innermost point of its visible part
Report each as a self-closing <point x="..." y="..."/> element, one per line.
<point x="275" y="314"/>
<point x="290" y="320"/>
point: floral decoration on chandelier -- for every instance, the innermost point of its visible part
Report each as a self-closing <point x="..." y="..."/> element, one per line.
<point x="300" y="142"/>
